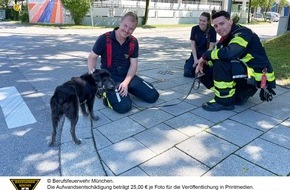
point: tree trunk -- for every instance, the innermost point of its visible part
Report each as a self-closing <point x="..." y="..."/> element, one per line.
<point x="249" y="11"/>
<point x="144" y="21"/>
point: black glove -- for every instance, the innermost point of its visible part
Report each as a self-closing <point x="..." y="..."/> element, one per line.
<point x="267" y="94"/>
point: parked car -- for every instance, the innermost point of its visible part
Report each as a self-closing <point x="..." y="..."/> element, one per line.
<point x="272" y="16"/>
<point x="258" y="17"/>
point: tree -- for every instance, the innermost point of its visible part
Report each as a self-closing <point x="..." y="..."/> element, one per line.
<point x="77" y="8"/>
<point x="264" y="4"/>
<point x="144" y="21"/>
<point x="267" y="4"/>
<point x="255" y="3"/>
<point x="282" y="4"/>
<point x="8" y="11"/>
<point x="249" y="11"/>
<point x="4" y="3"/>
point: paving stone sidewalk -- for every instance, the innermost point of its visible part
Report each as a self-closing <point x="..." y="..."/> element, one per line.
<point x="181" y="140"/>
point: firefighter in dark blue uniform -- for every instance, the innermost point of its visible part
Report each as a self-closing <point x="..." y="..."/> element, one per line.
<point x="235" y="67"/>
<point x="119" y="55"/>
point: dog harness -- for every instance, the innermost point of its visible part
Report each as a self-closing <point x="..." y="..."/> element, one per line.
<point x="109" y="48"/>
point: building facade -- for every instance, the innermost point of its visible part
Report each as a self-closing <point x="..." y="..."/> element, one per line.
<point x="108" y="12"/>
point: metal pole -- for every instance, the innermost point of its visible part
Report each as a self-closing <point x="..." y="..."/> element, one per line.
<point x="92" y="19"/>
<point x="288" y="27"/>
<point x="230" y="6"/>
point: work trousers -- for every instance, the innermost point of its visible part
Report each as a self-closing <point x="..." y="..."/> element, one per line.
<point x="189" y="71"/>
<point x="137" y="87"/>
<point x="228" y="80"/>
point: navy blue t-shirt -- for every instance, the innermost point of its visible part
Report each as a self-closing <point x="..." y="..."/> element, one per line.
<point x="120" y="53"/>
<point x="201" y="39"/>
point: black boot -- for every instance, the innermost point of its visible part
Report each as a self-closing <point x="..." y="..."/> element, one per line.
<point x="212" y="105"/>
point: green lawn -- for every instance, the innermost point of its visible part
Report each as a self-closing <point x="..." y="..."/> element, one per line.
<point x="278" y="52"/>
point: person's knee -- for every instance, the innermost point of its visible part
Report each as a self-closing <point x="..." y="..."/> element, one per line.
<point x="124" y="108"/>
<point x="152" y="97"/>
<point x="188" y="70"/>
<point x="118" y="103"/>
<point x="143" y="90"/>
<point x="188" y="73"/>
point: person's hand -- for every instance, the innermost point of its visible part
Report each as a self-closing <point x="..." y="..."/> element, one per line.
<point x="199" y="66"/>
<point x="267" y="94"/>
<point x="123" y="89"/>
<point x="194" y="63"/>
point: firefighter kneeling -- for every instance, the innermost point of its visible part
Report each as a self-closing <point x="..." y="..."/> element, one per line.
<point x="239" y="66"/>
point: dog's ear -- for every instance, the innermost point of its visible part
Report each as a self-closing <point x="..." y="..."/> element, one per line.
<point x="97" y="77"/>
<point x="97" y="74"/>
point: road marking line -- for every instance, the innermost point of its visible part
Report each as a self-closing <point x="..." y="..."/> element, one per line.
<point x="15" y="110"/>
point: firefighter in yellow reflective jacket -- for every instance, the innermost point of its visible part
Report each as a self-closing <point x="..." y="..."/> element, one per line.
<point x="239" y="62"/>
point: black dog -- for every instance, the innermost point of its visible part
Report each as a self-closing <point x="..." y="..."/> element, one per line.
<point x="75" y="93"/>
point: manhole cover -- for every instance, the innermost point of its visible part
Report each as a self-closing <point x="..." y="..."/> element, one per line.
<point x="165" y="72"/>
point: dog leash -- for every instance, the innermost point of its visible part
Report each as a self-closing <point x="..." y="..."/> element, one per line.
<point x="96" y="148"/>
<point x="195" y="86"/>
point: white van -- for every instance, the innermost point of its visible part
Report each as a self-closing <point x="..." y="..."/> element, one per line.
<point x="272" y="16"/>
